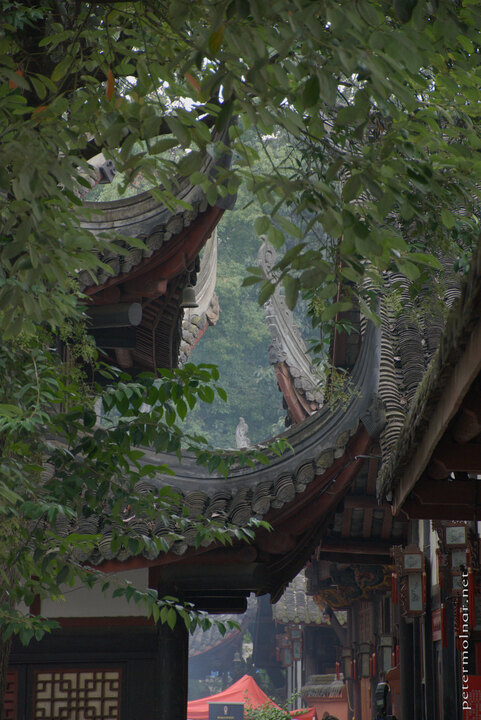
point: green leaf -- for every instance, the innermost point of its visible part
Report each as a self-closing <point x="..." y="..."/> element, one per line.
<point x="266" y="290"/>
<point x="352" y="189"/>
<point x="179" y="130"/>
<point x="448" y="218"/>
<point x="215" y="40"/>
<point x="190" y="163"/>
<point x="11" y="411"/>
<point x="262" y="224"/>
<point x="291" y="286"/>
<point x="61" y="69"/>
<point x="409" y="269"/>
<point x="311" y="92"/>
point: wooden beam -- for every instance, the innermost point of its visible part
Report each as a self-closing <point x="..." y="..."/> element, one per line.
<point x="150" y="285"/>
<point x="444" y="499"/>
<point x="114" y="316"/>
<point x="297" y="411"/>
<point x="363" y="501"/>
<point x="467" y="425"/>
<point x="462" y="377"/>
<point x="459" y="458"/>
<point x="356" y="546"/>
<point x="348" y="558"/>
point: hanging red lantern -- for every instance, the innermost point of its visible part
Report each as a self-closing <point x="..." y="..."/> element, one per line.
<point x="374" y="664"/>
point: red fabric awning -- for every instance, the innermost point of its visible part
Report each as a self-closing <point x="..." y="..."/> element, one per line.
<point x="245" y="690"/>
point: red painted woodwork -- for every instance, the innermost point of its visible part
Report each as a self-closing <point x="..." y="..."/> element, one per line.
<point x="477" y="656"/>
<point x="298" y="406"/>
<point x="459" y="458"/>
<point x="173" y="257"/>
<point x="443" y="499"/>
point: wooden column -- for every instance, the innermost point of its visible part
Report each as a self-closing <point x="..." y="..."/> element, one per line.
<point x="172" y="674"/>
<point x="406" y="651"/>
<point x="417" y="685"/>
<point x="449" y="710"/>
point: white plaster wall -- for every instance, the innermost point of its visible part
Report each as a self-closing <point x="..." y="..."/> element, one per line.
<point x="83" y="602"/>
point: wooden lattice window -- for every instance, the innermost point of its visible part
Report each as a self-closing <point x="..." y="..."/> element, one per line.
<point x="77" y="694"/>
<point x="11" y="696"/>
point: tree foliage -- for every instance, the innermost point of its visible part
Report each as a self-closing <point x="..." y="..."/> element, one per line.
<point x="384" y="103"/>
<point x="61" y="464"/>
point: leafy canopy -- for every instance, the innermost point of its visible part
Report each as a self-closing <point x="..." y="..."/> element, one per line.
<point x="383" y="104"/>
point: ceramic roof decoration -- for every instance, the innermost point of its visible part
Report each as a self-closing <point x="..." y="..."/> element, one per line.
<point x="196" y="320"/>
<point x="288" y="352"/>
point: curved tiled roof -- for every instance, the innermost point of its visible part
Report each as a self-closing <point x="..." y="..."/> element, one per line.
<point x="144" y="217"/>
<point x="407" y="346"/>
<point x="287" y="345"/>
<point x="255" y="491"/>
<point x="323" y="686"/>
<point x="296" y="606"/>
<point x="454" y="338"/>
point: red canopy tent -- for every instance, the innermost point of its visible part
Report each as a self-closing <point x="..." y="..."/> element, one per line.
<point x="245" y="690"/>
